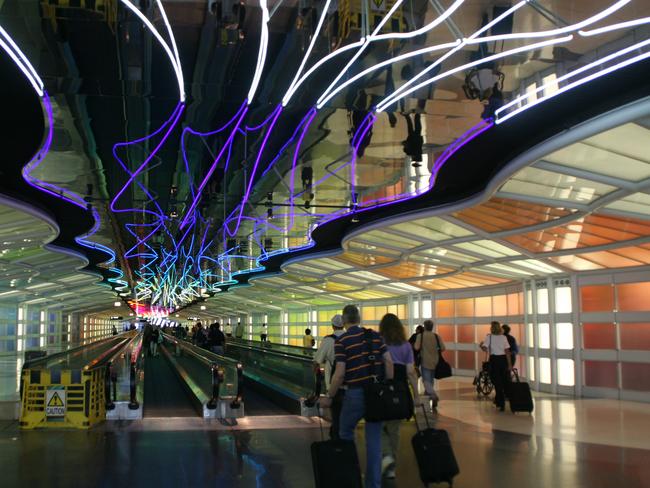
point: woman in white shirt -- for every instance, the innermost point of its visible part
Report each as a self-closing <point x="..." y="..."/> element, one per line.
<point x="496" y="345"/>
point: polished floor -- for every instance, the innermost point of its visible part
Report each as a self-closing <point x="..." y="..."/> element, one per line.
<point x="566" y="443"/>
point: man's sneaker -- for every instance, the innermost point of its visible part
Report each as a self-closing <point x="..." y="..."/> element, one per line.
<point x="390" y="474"/>
<point x="386" y="463"/>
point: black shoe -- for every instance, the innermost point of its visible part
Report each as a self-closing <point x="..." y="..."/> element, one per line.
<point x="502" y="409"/>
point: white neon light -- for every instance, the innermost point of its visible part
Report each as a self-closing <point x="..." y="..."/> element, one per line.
<point x="369" y="39"/>
<point x="385" y="63"/>
<point x="537" y="45"/>
<point x="609" y="28"/>
<point x="261" y="55"/>
<point x="579" y="82"/>
<point x="383" y="21"/>
<point x="556" y="32"/>
<point x="22" y="62"/>
<point x="309" y="49"/>
<point x="401" y="91"/>
<point x="317" y="65"/>
<point x="172" y="39"/>
<point x="431" y="25"/>
<point x="163" y="43"/>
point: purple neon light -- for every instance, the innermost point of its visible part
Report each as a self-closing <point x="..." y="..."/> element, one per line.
<point x="238" y="117"/>
<point x="277" y="112"/>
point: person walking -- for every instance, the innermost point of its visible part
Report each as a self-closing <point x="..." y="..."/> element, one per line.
<point x="153" y="344"/>
<point x="394" y="335"/>
<point x="308" y="340"/>
<point x="496" y="346"/>
<point x="146" y="338"/>
<point x="264" y="333"/>
<point x="354" y="366"/>
<point x="325" y="355"/>
<point x="239" y="330"/>
<point x="429" y="345"/>
<point x="216" y="339"/>
<point x="512" y="342"/>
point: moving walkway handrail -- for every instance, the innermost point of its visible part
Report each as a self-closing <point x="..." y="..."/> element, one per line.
<point x="215" y="368"/>
<point x="311" y="399"/>
<point x="305" y="351"/>
<point x="133" y="375"/>
<point x="106" y="360"/>
<point x="72" y="352"/>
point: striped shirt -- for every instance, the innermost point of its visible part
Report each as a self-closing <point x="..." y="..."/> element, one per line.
<point x="350" y="348"/>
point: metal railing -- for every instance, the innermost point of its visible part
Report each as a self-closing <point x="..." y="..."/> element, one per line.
<point x="224" y="372"/>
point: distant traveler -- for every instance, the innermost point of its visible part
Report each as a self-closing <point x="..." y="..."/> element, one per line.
<point x="429" y="345"/>
<point x="353" y="369"/>
<point x="325" y="355"/>
<point x="114" y="330"/>
<point x="514" y="348"/>
<point x="498" y="349"/>
<point x="200" y="339"/>
<point x="417" y="357"/>
<point x="239" y="330"/>
<point x="394" y="334"/>
<point x="146" y="338"/>
<point x="228" y="328"/>
<point x="153" y="345"/>
<point x="264" y="333"/>
<point x="216" y="339"/>
<point x="308" y="340"/>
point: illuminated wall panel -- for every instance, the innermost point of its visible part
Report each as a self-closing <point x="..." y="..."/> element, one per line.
<point x="635" y="376"/>
<point x="597" y="298"/>
<point x="635" y="336"/>
<point x="466" y="360"/>
<point x="633" y="297"/>
<point x="602" y="374"/>
<point x="599" y="336"/>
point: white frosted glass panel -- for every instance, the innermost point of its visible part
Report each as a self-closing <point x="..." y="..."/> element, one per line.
<point x="530" y="336"/>
<point x="545" y="370"/>
<point x="426" y="308"/>
<point x="542" y="300"/>
<point x="529" y="301"/>
<point x="564" y="335"/>
<point x="544" y="331"/>
<point x="416" y="310"/>
<point x="531" y="368"/>
<point x="565" y="372"/>
<point x="563" y="299"/>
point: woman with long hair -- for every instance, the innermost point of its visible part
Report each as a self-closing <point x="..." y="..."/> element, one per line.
<point x="498" y="349"/>
<point x="394" y="334"/>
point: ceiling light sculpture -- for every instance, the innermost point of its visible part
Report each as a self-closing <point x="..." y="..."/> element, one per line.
<point x="182" y="259"/>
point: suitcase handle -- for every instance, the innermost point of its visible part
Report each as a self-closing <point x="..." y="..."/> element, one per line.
<point x="426" y="419"/>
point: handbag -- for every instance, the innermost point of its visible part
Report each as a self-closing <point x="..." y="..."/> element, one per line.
<point x="443" y="369"/>
<point x="385" y="400"/>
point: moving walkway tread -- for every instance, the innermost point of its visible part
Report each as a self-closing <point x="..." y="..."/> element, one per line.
<point x="164" y="393"/>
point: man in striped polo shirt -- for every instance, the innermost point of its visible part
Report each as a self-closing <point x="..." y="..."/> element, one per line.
<point x="353" y="372"/>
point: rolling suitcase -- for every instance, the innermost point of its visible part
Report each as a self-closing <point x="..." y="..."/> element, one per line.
<point x="335" y="464"/>
<point x="521" y="400"/>
<point x="434" y="454"/>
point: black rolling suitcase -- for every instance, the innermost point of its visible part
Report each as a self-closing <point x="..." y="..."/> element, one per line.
<point x="335" y="464"/>
<point x="434" y="454"/>
<point x="519" y="396"/>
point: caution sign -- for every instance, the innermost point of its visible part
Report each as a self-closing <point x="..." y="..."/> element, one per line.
<point x="55" y="401"/>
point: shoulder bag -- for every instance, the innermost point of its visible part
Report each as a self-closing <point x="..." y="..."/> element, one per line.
<point x="385" y="400"/>
<point x="443" y="369"/>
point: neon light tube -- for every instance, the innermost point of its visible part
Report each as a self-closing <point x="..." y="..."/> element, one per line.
<point x="555" y="32"/>
<point x="579" y="82"/>
<point x="317" y="65"/>
<point x="431" y="25"/>
<point x="309" y="49"/>
<point x="609" y="28"/>
<point x="361" y="49"/>
<point x="261" y="55"/>
<point x="385" y="63"/>
<point x="22" y="62"/>
<point x="173" y="41"/>
<point x="170" y="55"/>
